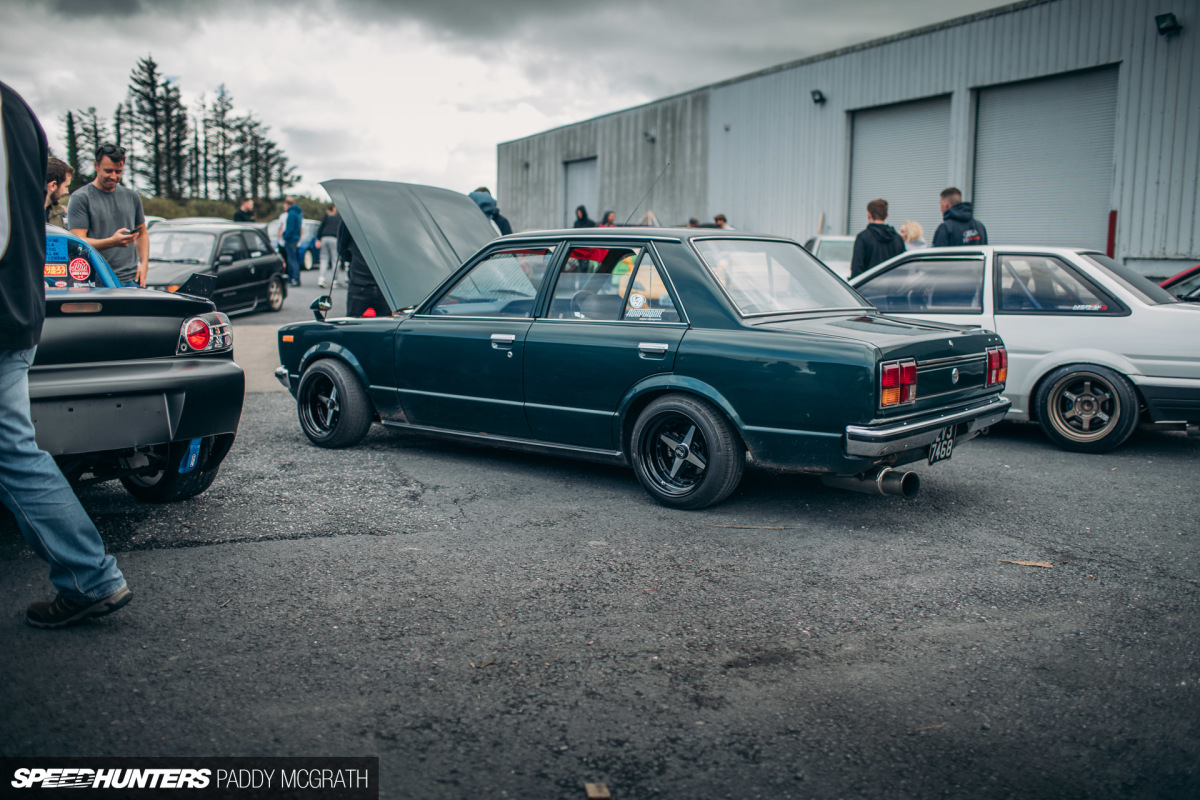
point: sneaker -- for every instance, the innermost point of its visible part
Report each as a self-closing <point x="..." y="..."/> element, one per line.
<point x="62" y="612"/>
<point x="322" y="285"/>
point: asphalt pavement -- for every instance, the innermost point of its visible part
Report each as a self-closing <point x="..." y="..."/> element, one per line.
<point x="507" y="625"/>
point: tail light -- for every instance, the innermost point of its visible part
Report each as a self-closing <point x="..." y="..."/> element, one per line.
<point x="997" y="366"/>
<point x="207" y="333"/>
<point x="897" y="382"/>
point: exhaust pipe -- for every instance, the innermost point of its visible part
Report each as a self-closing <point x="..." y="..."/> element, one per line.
<point x="887" y="481"/>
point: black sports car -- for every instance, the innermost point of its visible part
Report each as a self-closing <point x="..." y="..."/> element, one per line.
<point x="250" y="275"/>
<point x="130" y="384"/>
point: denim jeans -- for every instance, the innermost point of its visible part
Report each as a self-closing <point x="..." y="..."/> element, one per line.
<point x="34" y="489"/>
<point x="292" y="251"/>
<point x="328" y="259"/>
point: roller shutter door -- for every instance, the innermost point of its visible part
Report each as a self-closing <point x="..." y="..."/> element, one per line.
<point x="902" y="154"/>
<point x="1044" y="160"/>
<point x="581" y="188"/>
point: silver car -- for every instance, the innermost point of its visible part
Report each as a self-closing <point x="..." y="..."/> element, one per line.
<point x="835" y="252"/>
<point x="1093" y="347"/>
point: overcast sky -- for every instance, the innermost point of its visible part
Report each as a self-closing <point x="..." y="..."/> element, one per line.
<point x="420" y="90"/>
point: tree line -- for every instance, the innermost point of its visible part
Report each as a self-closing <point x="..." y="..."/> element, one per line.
<point x="207" y="152"/>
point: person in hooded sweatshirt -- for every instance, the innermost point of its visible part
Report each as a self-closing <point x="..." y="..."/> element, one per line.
<point x="877" y="242"/>
<point x="487" y="204"/>
<point x="582" y="220"/>
<point x="959" y="225"/>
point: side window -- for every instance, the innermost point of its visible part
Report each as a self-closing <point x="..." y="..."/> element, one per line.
<point x="232" y="245"/>
<point x="504" y="284"/>
<point x="647" y="299"/>
<point x="931" y="286"/>
<point x="592" y="282"/>
<point x="1042" y="284"/>
<point x="255" y="246"/>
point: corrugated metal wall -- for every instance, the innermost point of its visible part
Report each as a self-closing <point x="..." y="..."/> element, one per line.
<point x="764" y="154"/>
<point x="530" y="183"/>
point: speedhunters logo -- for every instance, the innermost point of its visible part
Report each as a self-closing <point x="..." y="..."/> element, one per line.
<point x="67" y="778"/>
<point x="318" y="778"/>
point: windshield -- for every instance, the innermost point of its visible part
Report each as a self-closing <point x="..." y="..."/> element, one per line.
<point x="770" y="277"/>
<point x="1146" y="290"/>
<point x="834" y="250"/>
<point x="181" y="247"/>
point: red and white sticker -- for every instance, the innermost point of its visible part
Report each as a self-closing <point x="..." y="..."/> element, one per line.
<point x="79" y="269"/>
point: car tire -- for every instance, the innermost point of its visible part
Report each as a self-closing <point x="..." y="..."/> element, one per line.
<point x="168" y="484"/>
<point x="686" y="454"/>
<point x="332" y="405"/>
<point x="308" y="259"/>
<point x="1086" y="408"/>
<point x="275" y="294"/>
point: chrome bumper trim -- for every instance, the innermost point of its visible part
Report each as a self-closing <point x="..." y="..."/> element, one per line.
<point x="281" y="375"/>
<point x="876" y="441"/>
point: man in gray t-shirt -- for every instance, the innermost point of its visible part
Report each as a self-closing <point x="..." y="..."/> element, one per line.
<point x="109" y="217"/>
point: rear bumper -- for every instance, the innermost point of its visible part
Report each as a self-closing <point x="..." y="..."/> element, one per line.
<point x="116" y="405"/>
<point x="875" y="441"/>
<point x="1171" y="399"/>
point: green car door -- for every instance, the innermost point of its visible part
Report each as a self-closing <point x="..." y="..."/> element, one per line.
<point x="460" y="360"/>
<point x="609" y="322"/>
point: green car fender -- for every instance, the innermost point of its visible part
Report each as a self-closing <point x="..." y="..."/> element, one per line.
<point x="642" y="393"/>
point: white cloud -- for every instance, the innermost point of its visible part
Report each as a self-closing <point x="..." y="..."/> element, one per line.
<point x="418" y="91"/>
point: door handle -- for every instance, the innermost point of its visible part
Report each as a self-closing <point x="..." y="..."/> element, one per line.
<point x="653" y="348"/>
<point x="503" y="341"/>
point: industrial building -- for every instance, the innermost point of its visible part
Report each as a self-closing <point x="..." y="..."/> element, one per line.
<point x="1066" y="122"/>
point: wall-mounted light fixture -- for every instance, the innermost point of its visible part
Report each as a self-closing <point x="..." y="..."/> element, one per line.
<point x="650" y="137"/>
<point x="818" y="96"/>
<point x="1167" y="24"/>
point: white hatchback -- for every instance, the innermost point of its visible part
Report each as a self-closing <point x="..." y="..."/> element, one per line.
<point x="1092" y="345"/>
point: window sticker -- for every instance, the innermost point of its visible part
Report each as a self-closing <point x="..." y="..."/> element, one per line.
<point x="79" y="269"/>
<point x="55" y="271"/>
<point x="56" y="249"/>
<point x="60" y="284"/>
<point x="637" y="301"/>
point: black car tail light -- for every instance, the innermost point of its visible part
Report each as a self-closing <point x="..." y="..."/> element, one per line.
<point x="207" y="333"/>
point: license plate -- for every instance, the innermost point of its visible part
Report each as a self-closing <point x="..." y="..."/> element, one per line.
<point x="943" y="446"/>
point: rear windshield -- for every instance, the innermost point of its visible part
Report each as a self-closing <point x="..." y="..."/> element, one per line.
<point x="834" y="250"/>
<point x="1142" y="287"/>
<point x="764" y="277"/>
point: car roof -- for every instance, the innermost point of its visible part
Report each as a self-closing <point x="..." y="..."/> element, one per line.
<point x="639" y="232"/>
<point x="207" y="227"/>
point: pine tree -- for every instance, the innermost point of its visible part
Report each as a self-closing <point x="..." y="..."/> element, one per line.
<point x="221" y="139"/>
<point x="72" y="137"/>
<point x="93" y="132"/>
<point x="147" y="93"/>
<point x="175" y="141"/>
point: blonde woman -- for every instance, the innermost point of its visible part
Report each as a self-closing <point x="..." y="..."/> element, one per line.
<point x="914" y="235"/>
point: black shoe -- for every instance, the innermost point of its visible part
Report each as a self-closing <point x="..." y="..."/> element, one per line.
<point x="62" y="612"/>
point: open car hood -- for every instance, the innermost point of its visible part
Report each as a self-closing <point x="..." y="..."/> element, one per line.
<point x="411" y="236"/>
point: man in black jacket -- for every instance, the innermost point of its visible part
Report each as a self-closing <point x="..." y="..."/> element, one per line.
<point x="877" y="242"/>
<point x="959" y="226"/>
<point x="363" y="298"/>
<point x="31" y="485"/>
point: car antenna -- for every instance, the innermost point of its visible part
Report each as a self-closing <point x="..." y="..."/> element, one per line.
<point x="648" y="191"/>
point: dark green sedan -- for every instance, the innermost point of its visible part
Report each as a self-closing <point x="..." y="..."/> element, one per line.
<point x="687" y="354"/>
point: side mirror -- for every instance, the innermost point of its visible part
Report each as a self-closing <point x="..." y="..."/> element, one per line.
<point x="224" y="258"/>
<point x="320" y="307"/>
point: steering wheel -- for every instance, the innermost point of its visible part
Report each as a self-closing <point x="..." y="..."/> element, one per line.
<point x="577" y="302"/>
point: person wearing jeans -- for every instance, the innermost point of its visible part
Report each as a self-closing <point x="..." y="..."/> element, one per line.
<point x="327" y="245"/>
<point x="49" y="515"/>
<point x="289" y="235"/>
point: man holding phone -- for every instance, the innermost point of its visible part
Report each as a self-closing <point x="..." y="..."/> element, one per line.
<point x="110" y="218"/>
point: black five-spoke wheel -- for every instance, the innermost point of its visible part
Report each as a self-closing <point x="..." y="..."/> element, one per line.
<point x="1087" y="408"/>
<point x="686" y="453"/>
<point x="332" y="405"/>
